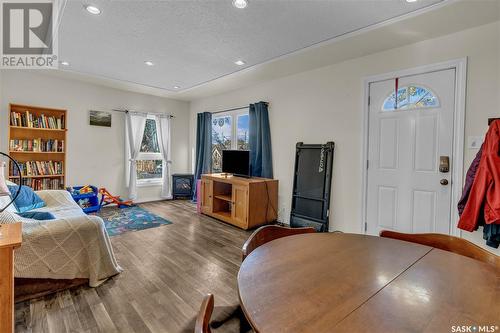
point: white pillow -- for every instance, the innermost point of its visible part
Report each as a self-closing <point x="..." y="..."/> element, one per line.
<point x="3" y="186"/>
<point x="4" y="201"/>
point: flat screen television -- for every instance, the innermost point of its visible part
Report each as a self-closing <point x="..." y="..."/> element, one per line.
<point x="236" y="162"/>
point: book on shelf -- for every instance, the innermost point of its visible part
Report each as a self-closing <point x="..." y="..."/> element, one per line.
<point x="36" y="145"/>
<point x="41" y="184"/>
<point x="29" y="120"/>
<point x="37" y="168"/>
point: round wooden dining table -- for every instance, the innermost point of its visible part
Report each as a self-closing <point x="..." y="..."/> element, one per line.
<point x="334" y="282"/>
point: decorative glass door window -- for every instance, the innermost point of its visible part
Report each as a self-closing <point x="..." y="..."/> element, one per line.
<point x="229" y="131"/>
<point x="410" y="97"/>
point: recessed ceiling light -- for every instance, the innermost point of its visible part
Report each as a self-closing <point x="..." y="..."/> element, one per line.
<point x="411" y="1"/>
<point x="64" y="63"/>
<point x="93" y="9"/>
<point x="240" y="4"/>
<point x="239" y="62"/>
<point x="176" y="87"/>
<point x="149" y="63"/>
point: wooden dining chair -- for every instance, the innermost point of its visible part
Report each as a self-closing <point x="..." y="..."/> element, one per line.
<point x="203" y="319"/>
<point x="447" y="243"/>
<point x="268" y="233"/>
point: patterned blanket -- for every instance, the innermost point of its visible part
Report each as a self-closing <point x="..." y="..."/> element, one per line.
<point x="73" y="245"/>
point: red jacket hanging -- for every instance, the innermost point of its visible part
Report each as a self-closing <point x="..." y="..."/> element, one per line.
<point x="484" y="199"/>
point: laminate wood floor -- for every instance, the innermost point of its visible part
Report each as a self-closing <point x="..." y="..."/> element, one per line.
<point x="167" y="271"/>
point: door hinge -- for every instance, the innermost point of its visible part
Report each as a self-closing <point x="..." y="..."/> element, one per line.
<point x="366" y="226"/>
<point x="369" y="100"/>
<point x="367" y="164"/>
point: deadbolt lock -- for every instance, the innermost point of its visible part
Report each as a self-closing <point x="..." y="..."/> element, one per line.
<point x="444" y="164"/>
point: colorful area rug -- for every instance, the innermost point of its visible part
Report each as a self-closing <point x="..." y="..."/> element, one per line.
<point x="121" y="220"/>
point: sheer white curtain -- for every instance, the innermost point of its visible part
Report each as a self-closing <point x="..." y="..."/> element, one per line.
<point x="135" y="123"/>
<point x="164" y="130"/>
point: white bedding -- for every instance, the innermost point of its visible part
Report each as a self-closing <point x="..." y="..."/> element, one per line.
<point x="74" y="245"/>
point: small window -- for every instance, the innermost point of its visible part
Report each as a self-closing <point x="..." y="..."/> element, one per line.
<point x="229" y="131"/>
<point x="150" y="160"/>
<point x="221" y="139"/>
<point x="243" y="132"/>
<point x="149" y="169"/>
<point x="411" y="97"/>
<point x="150" y="139"/>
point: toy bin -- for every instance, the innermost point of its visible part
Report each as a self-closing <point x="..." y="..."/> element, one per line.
<point x="89" y="202"/>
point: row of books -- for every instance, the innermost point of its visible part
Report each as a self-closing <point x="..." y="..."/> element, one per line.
<point x="42" y="184"/>
<point x="38" y="168"/>
<point x="37" y="145"/>
<point x="30" y="120"/>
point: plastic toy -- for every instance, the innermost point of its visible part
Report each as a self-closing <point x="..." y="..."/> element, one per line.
<point x="84" y="203"/>
<point x="107" y="199"/>
<point x="86" y="197"/>
<point x="86" y="189"/>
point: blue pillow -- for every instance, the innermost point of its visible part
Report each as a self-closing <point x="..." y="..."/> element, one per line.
<point x="26" y="200"/>
<point x="37" y="215"/>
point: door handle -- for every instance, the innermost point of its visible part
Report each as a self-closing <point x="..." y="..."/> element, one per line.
<point x="443" y="182"/>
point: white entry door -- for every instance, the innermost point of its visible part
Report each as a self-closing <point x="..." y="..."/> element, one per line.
<point x="410" y="136"/>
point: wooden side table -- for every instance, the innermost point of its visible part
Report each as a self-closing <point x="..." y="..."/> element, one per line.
<point x="10" y="238"/>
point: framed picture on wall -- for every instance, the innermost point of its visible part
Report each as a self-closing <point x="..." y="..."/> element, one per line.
<point x="100" y="118"/>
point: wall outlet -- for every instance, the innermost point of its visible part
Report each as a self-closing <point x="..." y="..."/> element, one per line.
<point x="474" y="142"/>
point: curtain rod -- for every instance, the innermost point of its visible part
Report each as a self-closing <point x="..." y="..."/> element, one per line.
<point x="156" y="113"/>
<point x="233" y="109"/>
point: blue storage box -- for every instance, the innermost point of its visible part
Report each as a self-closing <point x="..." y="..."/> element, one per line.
<point x="89" y="202"/>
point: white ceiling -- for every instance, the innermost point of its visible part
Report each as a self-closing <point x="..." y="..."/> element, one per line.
<point x="195" y="42"/>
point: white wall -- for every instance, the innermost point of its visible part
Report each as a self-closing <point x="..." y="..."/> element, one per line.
<point x="95" y="155"/>
<point x="326" y="104"/>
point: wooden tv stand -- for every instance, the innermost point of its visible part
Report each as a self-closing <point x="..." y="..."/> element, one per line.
<point x="243" y="202"/>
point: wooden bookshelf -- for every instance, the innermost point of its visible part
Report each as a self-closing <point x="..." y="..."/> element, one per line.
<point x="40" y="136"/>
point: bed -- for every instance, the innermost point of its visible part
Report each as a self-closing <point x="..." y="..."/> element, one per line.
<point x="72" y="249"/>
